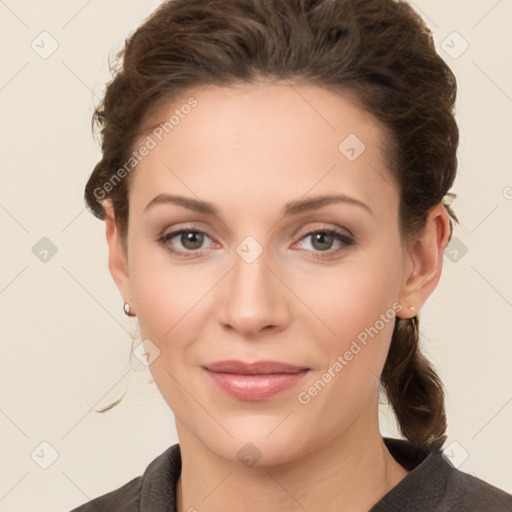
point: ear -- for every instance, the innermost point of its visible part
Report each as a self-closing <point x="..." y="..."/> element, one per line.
<point x="117" y="259"/>
<point x="424" y="261"/>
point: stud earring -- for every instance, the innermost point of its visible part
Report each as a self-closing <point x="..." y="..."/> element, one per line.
<point x="127" y="310"/>
<point x="411" y="308"/>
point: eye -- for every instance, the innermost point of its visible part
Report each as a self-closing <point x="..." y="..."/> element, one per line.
<point x="323" y="240"/>
<point x="188" y="242"/>
<point x="184" y="242"/>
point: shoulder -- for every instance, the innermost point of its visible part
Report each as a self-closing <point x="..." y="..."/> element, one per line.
<point x="467" y="492"/>
<point x="123" y="499"/>
<point x="156" y="487"/>
<point x="435" y="485"/>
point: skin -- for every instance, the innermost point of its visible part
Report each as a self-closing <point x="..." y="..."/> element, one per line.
<point x="250" y="150"/>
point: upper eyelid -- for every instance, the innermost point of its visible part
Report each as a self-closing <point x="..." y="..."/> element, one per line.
<point x="329" y="229"/>
<point x="183" y="228"/>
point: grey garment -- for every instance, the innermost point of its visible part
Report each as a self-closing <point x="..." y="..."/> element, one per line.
<point x="433" y="485"/>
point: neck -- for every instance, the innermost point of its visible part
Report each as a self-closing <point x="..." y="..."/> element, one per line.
<point x="351" y="472"/>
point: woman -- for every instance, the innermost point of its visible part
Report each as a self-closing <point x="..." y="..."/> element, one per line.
<point x="273" y="182"/>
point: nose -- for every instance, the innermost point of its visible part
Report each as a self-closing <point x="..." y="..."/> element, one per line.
<point x="254" y="300"/>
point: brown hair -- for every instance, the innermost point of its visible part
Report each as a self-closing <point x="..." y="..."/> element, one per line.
<point x="377" y="52"/>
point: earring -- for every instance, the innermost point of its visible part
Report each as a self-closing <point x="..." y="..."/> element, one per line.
<point x="411" y="308"/>
<point x="127" y="310"/>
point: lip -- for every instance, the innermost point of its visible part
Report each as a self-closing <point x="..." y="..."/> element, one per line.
<point x="254" y="381"/>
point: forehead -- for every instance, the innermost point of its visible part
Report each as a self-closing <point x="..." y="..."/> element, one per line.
<point x="280" y="137"/>
<point x="276" y="108"/>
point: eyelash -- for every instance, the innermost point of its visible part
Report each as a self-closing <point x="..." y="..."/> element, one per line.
<point x="345" y="239"/>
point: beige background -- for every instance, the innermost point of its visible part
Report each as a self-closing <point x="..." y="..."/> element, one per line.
<point x="66" y="342"/>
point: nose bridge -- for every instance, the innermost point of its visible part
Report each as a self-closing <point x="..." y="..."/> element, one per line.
<point x="255" y="299"/>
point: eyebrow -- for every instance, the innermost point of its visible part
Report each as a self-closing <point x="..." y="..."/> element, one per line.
<point x="291" y="208"/>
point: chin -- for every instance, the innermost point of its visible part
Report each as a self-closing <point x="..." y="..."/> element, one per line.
<point x="258" y="440"/>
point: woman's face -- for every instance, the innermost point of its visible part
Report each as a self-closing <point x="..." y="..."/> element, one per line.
<point x="274" y="274"/>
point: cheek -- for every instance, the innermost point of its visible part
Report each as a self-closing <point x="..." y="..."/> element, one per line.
<point x="167" y="294"/>
<point x="175" y="304"/>
<point x="353" y="359"/>
<point x="357" y="304"/>
<point x="170" y="301"/>
<point x="345" y="300"/>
